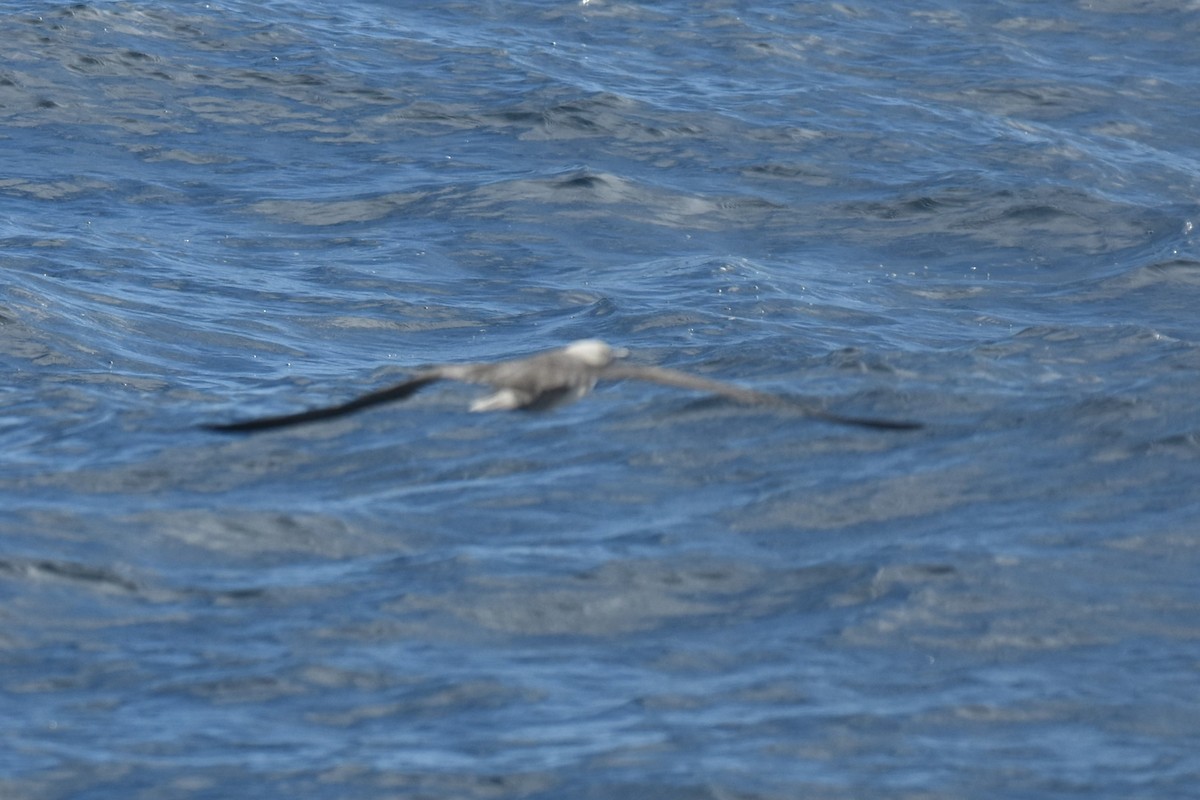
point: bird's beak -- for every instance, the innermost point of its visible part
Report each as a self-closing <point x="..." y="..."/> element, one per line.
<point x="620" y="352"/>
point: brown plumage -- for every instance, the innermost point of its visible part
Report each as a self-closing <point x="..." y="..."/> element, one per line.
<point x="548" y="379"/>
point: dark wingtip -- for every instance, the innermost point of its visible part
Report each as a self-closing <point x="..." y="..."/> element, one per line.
<point x="229" y="427"/>
<point x="871" y="422"/>
<point x="894" y="425"/>
<point x="251" y="425"/>
<point x="386" y="395"/>
<point x="287" y="420"/>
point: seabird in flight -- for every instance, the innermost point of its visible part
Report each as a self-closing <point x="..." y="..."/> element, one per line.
<point x="548" y="379"/>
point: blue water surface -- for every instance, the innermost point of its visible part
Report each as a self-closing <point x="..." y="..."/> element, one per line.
<point x="977" y="215"/>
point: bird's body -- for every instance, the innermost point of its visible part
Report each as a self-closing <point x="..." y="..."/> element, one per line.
<point x="546" y="380"/>
<point x="541" y="381"/>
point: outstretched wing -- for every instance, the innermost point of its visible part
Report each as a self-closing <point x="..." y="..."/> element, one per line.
<point x="684" y="380"/>
<point x="392" y="393"/>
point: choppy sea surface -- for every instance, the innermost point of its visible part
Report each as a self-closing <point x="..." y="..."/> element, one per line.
<point x="980" y="215"/>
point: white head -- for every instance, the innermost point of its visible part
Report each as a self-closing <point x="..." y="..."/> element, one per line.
<point x="594" y="352"/>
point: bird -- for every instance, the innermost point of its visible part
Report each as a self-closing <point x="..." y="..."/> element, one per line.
<point x="548" y="379"/>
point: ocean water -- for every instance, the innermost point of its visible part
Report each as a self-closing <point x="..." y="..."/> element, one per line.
<point x="978" y="215"/>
